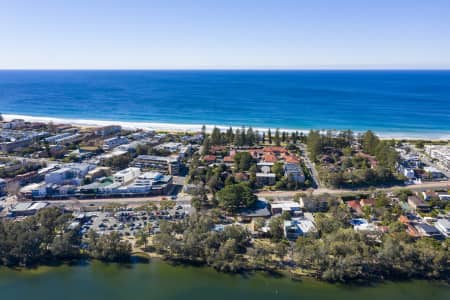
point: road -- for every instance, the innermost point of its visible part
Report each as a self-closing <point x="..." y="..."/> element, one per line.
<point x="311" y="167"/>
<point x="417" y="187"/>
<point x="427" y="160"/>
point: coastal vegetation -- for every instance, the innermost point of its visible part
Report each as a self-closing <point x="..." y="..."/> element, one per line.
<point x="46" y="239"/>
<point x="349" y="161"/>
<point x="337" y="253"/>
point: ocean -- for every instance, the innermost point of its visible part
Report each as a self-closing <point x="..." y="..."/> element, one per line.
<point x="392" y="103"/>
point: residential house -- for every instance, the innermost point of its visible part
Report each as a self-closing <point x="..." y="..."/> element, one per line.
<point x="418" y="204"/>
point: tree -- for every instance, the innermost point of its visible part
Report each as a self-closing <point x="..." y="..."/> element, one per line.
<point x="108" y="247"/>
<point x="278" y="169"/>
<point x="314" y="144"/>
<point x="216" y="138"/>
<point x="276" y="228"/>
<point x="277" y="138"/>
<point x="235" y="196"/>
<point x="269" y="136"/>
<point x="243" y="161"/>
<point x="251" y="137"/>
<point x="142" y="239"/>
<point x="229" y="135"/>
<point x="369" y="142"/>
<point x="206" y="147"/>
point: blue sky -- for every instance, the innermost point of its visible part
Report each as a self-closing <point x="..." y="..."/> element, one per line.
<point x="198" y="34"/>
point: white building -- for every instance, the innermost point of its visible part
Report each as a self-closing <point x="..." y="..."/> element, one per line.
<point x="441" y="153"/>
<point x="294" y="171"/>
<point x="443" y="225"/>
<point x="127" y="175"/>
<point x="69" y="174"/>
<point x="299" y="227"/>
<point x="285" y="206"/>
<point x="114" y="142"/>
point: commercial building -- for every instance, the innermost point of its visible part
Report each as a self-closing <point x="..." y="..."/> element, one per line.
<point x="69" y="174"/>
<point x="164" y="164"/>
<point x="127" y="175"/>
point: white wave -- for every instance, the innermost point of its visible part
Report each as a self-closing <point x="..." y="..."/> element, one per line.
<point x="174" y="127"/>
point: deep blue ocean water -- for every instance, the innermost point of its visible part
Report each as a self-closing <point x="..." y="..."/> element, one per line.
<point x="412" y="102"/>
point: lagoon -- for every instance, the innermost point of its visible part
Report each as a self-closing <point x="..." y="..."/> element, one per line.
<point x="159" y="280"/>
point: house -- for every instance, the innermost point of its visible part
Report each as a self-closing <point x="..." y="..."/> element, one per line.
<point x="294" y="171"/>
<point x="209" y="158"/>
<point x="428" y="195"/>
<point x="418" y="204"/>
<point x="270" y="158"/>
<point x="355" y="206"/>
<point x="299" y="227"/>
<point x="313" y="204"/>
<point x="228" y="160"/>
<point x="2" y="186"/>
<point x="444" y="196"/>
<point x="263" y="179"/>
<point x="367" y="202"/>
<point x="259" y="210"/>
<point x="285" y="206"/>
<point x="425" y="230"/>
<point x="443" y="225"/>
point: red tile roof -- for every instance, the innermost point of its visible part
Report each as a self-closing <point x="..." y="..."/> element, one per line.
<point x="228" y="159"/>
<point x="209" y="158"/>
<point x="354" y="204"/>
<point x="291" y="159"/>
<point x="269" y="157"/>
<point x="367" y="202"/>
<point x="276" y="149"/>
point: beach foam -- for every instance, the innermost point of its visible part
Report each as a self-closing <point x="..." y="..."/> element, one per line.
<point x="173" y="127"/>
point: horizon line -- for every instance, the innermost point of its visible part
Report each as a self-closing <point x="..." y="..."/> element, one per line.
<point x="225" y="69"/>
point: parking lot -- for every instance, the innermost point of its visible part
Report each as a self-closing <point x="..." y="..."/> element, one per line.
<point x="129" y="222"/>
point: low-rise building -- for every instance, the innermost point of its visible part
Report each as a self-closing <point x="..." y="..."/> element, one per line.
<point x="263" y="179"/>
<point x="294" y="171"/>
<point x="114" y="142"/>
<point x="418" y="204"/>
<point x="443" y="225"/>
<point x="2" y="186"/>
<point x="291" y="207"/>
<point x="165" y="164"/>
<point x="299" y="227"/>
<point x="27" y="208"/>
<point x="127" y="175"/>
<point x="107" y="130"/>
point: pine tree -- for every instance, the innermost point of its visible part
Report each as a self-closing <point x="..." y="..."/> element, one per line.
<point x="269" y="133"/>
<point x="277" y="137"/>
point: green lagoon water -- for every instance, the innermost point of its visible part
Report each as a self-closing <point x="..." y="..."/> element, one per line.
<point x="158" y="280"/>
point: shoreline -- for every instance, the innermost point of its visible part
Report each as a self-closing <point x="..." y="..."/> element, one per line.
<point x="179" y="127"/>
